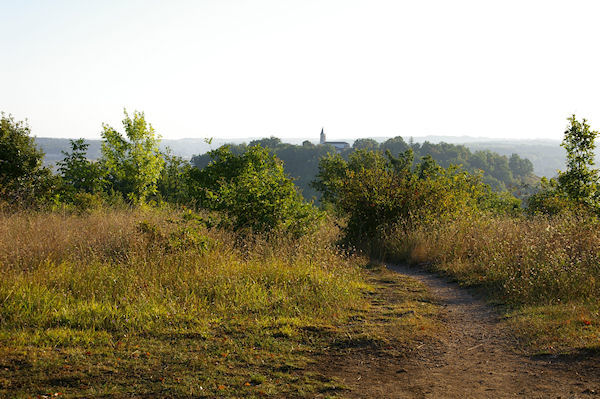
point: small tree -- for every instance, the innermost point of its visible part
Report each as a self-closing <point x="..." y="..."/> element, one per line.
<point x="19" y="156"/>
<point x="580" y="181"/>
<point x="172" y="184"/>
<point x="267" y="142"/>
<point x="365" y="144"/>
<point x="133" y="162"/>
<point x="23" y="179"/>
<point x="379" y="194"/>
<point x="577" y="187"/>
<point x="520" y="167"/>
<point x="253" y="190"/>
<point x="395" y="145"/>
<point x="330" y="177"/>
<point x="79" y="173"/>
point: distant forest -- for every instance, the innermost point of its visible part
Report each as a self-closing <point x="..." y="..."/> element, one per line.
<point x="502" y="173"/>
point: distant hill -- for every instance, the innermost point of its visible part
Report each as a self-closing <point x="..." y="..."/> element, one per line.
<point x="546" y="155"/>
<point x="185" y="148"/>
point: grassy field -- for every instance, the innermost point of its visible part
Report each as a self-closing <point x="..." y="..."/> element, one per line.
<point x="140" y="301"/>
<point x="147" y="302"/>
<point x="120" y="303"/>
<point x="544" y="272"/>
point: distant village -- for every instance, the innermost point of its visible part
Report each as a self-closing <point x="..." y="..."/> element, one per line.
<point x="339" y="145"/>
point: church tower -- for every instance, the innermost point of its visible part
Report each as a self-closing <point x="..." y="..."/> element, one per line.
<point x="323" y="139"/>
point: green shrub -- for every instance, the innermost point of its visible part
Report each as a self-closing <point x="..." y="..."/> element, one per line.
<point x="380" y="194"/>
<point x="253" y="191"/>
<point x="79" y="174"/>
<point x="133" y="162"/>
<point x="23" y="179"/>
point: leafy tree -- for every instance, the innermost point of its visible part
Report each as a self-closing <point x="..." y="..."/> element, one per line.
<point x="23" y="179"/>
<point x="253" y="190"/>
<point x="395" y="145"/>
<point x="577" y="188"/>
<point x="365" y="144"/>
<point x="428" y="168"/>
<point x="271" y="142"/>
<point x="330" y="177"/>
<point x="549" y="199"/>
<point x="379" y="194"/>
<point x="403" y="163"/>
<point x="365" y="159"/>
<point x="580" y="180"/>
<point x="172" y="184"/>
<point x="520" y="167"/>
<point x="79" y="173"/>
<point x="19" y="157"/>
<point x="133" y="161"/>
<point x="299" y="162"/>
<point x="334" y="170"/>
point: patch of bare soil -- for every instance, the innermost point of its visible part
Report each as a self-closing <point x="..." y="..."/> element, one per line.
<point x="475" y="356"/>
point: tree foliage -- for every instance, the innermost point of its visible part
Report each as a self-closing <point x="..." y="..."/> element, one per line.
<point x="365" y="144"/>
<point x="23" y="179"/>
<point x="301" y="162"/>
<point x="80" y="174"/>
<point x="395" y="145"/>
<point x="133" y="161"/>
<point x="378" y="193"/>
<point x="580" y="181"/>
<point x="172" y="185"/>
<point x="253" y="190"/>
<point x="520" y="167"/>
<point x="577" y="187"/>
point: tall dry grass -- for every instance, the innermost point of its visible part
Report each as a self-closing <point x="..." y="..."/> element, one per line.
<point x="145" y="271"/>
<point x="536" y="260"/>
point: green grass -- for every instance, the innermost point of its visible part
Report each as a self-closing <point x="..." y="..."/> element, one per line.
<point x="229" y="360"/>
<point x="148" y="302"/>
<point x="565" y="328"/>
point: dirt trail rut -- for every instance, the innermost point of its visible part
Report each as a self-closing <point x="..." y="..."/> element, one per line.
<point x="477" y="359"/>
<point x="474" y="358"/>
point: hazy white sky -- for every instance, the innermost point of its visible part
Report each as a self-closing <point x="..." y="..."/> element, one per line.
<point x="235" y="68"/>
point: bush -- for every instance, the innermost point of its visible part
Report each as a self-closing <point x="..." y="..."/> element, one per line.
<point x="23" y="179"/>
<point x="133" y="162"/>
<point x="79" y="174"/>
<point x="253" y="191"/>
<point x="379" y="195"/>
<point x="172" y="184"/>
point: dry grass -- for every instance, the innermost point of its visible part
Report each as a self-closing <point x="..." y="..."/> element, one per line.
<point x="546" y="270"/>
<point x="142" y="302"/>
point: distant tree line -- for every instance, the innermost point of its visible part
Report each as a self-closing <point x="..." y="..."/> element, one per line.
<point x="502" y="173"/>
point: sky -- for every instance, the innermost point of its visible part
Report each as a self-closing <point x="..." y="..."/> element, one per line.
<point x="239" y="68"/>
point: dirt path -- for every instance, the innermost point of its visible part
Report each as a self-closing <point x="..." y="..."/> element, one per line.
<point x="474" y="359"/>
